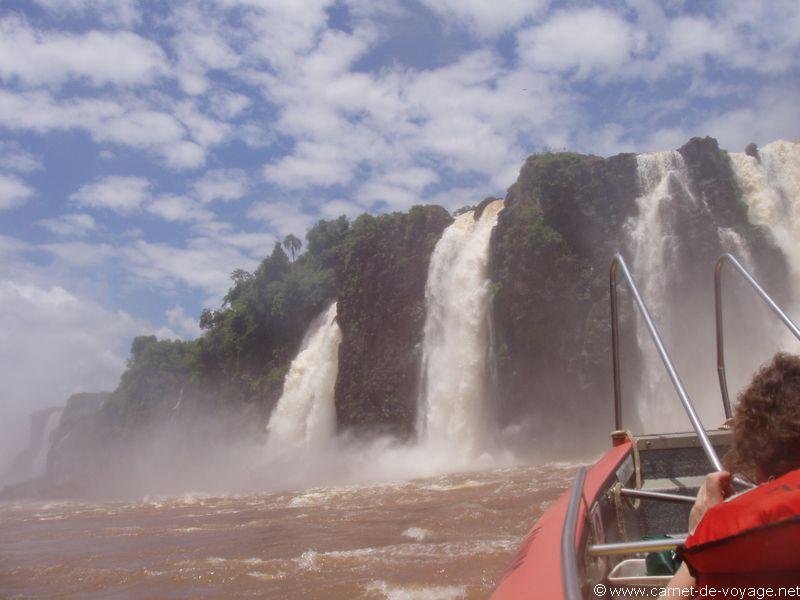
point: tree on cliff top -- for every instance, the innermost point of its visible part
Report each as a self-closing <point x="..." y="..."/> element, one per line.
<point x="292" y="244"/>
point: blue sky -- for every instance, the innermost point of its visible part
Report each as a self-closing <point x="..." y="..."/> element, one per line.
<point x="149" y="148"/>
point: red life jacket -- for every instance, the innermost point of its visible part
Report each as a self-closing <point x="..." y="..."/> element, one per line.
<point x="752" y="539"/>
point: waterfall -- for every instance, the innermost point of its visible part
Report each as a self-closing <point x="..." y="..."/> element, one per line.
<point x="656" y="239"/>
<point x="652" y="245"/>
<point x="305" y="414"/>
<point x="452" y="404"/>
<point x="53" y="420"/>
<point x="770" y="187"/>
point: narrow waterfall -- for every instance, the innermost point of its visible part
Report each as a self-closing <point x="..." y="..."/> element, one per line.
<point x="305" y="415"/>
<point x="53" y="420"/>
<point x="452" y="405"/>
<point x="771" y="188"/>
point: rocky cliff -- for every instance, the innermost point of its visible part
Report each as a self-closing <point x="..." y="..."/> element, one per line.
<point x="381" y="293"/>
<point x="565" y="218"/>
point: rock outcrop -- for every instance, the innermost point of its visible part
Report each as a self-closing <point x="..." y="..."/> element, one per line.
<point x="381" y="293"/>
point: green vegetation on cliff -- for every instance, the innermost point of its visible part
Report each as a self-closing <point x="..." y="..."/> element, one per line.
<point x="381" y="279"/>
<point x="376" y="266"/>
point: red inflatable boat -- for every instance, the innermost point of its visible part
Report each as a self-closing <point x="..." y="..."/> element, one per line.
<point x="625" y="517"/>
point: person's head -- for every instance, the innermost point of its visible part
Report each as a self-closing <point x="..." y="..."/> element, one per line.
<point x="766" y="425"/>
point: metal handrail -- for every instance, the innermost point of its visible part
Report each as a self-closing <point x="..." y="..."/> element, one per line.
<point x="618" y="264"/>
<point x="723" y="381"/>
<point x="569" y="554"/>
<point x="651" y="495"/>
<point x="638" y="546"/>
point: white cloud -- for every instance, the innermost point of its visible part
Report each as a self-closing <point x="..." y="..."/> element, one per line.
<point x="311" y="164"/>
<point x="204" y="130"/>
<point x="203" y="263"/>
<point x="13" y="191"/>
<point x="200" y="48"/>
<point x="111" y="12"/>
<point x="71" y="225"/>
<point x="228" y="105"/>
<point x="187" y="327"/>
<point x="105" y="121"/>
<point x="486" y="17"/>
<point x="14" y="158"/>
<point x="398" y="189"/>
<point x="178" y="208"/>
<point x="98" y="57"/>
<point x="54" y="344"/>
<point x="282" y="218"/>
<point x="118" y="193"/>
<point x="221" y="184"/>
<point x="585" y="41"/>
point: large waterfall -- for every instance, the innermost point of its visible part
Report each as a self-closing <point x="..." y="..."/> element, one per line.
<point x="770" y="186"/>
<point x="452" y="406"/>
<point x="305" y="415"/>
<point x="655" y="242"/>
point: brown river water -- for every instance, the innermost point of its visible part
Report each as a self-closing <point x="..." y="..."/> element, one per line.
<point x="444" y="537"/>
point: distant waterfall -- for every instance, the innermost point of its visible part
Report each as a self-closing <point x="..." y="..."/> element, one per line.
<point x="53" y="420"/>
<point x="452" y="405"/>
<point x="771" y="188"/>
<point x="305" y="415"/>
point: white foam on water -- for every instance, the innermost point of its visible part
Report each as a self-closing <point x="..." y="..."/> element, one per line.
<point x="416" y="533"/>
<point x="411" y="592"/>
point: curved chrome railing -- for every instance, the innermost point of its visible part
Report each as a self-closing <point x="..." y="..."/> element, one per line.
<point x="569" y="555"/>
<point x="617" y="265"/>
<point x="723" y="381"/>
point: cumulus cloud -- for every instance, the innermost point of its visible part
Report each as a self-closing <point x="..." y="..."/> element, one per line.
<point x="71" y="225"/>
<point x="33" y="57"/>
<point x="14" y="157"/>
<point x="221" y="184"/>
<point x="107" y="121"/>
<point x="178" y="208"/>
<point x="118" y="193"/>
<point x="13" y="191"/>
<point x="187" y="327"/>
<point x="282" y="218"/>
<point x="586" y="42"/>
<point x="485" y="17"/>
<point x="110" y="12"/>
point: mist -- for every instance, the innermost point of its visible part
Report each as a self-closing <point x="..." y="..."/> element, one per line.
<point x="54" y="344"/>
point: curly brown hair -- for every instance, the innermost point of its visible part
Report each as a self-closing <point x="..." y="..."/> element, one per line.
<point x="766" y="425"/>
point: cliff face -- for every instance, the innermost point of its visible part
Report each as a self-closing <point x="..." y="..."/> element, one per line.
<point x="381" y="294"/>
<point x="565" y="218"/>
<point x="550" y="255"/>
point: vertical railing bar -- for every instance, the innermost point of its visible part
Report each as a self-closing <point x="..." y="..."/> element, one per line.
<point x="662" y="351"/>
<point x="615" y="346"/>
<point x="723" y="380"/>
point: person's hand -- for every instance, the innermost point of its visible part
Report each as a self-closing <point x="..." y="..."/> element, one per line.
<point x="714" y="490"/>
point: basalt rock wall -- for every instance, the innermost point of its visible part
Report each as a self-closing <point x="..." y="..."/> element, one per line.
<point x="381" y="279"/>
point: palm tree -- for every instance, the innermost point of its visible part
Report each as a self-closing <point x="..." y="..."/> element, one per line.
<point x="292" y="244"/>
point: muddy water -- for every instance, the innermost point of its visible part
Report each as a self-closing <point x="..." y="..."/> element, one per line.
<point x="444" y="537"/>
